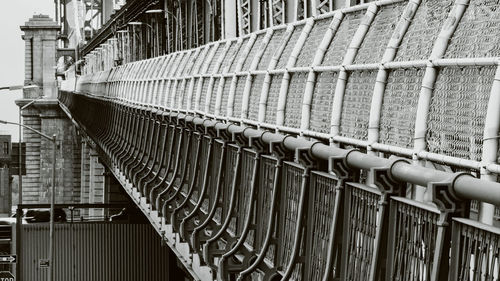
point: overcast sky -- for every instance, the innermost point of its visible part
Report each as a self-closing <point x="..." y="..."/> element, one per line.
<point x="13" y="13"/>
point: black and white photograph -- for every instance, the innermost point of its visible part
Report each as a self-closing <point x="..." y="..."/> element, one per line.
<point x="250" y="140"/>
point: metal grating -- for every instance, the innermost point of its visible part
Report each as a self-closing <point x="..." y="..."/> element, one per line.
<point x="357" y="103"/>
<point x="399" y="107"/>
<point x="291" y="189"/>
<point x="290" y="44"/>
<point x="375" y="42"/>
<point x="228" y="57"/>
<point x="361" y="225"/>
<point x="272" y="98"/>
<point x="238" y="95"/>
<point x="264" y="194"/>
<point x="321" y="107"/>
<point x="478" y="32"/>
<point x="423" y="30"/>
<point x="321" y="206"/>
<point x="255" y="91"/>
<point x="457" y="112"/>
<point x="200" y="170"/>
<point x="478" y="251"/>
<point x="295" y="98"/>
<point x="415" y="236"/>
<point x="257" y="45"/>
<point x="338" y="47"/>
<point x="271" y="47"/>
<point x="308" y="51"/>
<point x="225" y="95"/>
<point x="227" y="183"/>
<point x="245" y="185"/>
<point x="211" y="183"/>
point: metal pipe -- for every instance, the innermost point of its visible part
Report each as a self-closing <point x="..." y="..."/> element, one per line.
<point x="490" y="145"/>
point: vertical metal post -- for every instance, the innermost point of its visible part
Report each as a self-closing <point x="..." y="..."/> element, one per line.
<point x="52" y="201"/>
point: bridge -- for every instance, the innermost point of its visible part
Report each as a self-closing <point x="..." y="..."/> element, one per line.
<point x="356" y="144"/>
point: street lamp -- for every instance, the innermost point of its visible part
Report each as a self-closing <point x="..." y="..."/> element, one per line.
<point x="53" y="139"/>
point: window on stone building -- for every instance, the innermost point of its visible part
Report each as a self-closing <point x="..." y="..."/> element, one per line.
<point x="5" y="148"/>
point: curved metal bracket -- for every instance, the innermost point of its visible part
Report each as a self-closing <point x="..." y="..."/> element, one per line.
<point x="338" y="165"/>
<point x="383" y="179"/>
<point x="446" y="199"/>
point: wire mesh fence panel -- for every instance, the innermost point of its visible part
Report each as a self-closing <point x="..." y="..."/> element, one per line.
<point x="424" y="28"/>
<point x="271" y="47"/>
<point x="272" y="98"/>
<point x="225" y="95"/>
<point x="238" y="55"/>
<point x="257" y="46"/>
<point x="458" y="110"/>
<point x="338" y="47"/>
<point x="357" y="104"/>
<point x="238" y="95"/>
<point x="255" y="93"/>
<point x="375" y="42"/>
<point x="478" y="32"/>
<point x="294" y="99"/>
<point x="322" y="100"/>
<point x="399" y="107"/>
<point x="314" y="39"/>
<point x="290" y="44"/>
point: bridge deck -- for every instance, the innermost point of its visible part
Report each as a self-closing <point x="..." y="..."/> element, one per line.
<point x="416" y="79"/>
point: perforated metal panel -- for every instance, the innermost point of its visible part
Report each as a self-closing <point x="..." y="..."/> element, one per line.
<point x="478" y="32"/>
<point x="399" y="107"/>
<point x="312" y="42"/>
<point x="357" y="103"/>
<point x="271" y="47"/>
<point x="457" y="112"/>
<point x="423" y="30"/>
<point x="294" y="99"/>
<point x="375" y="42"/>
<point x="343" y="37"/>
<point x="272" y="98"/>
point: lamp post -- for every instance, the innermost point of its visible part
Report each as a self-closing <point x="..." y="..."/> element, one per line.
<point x="53" y="139"/>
